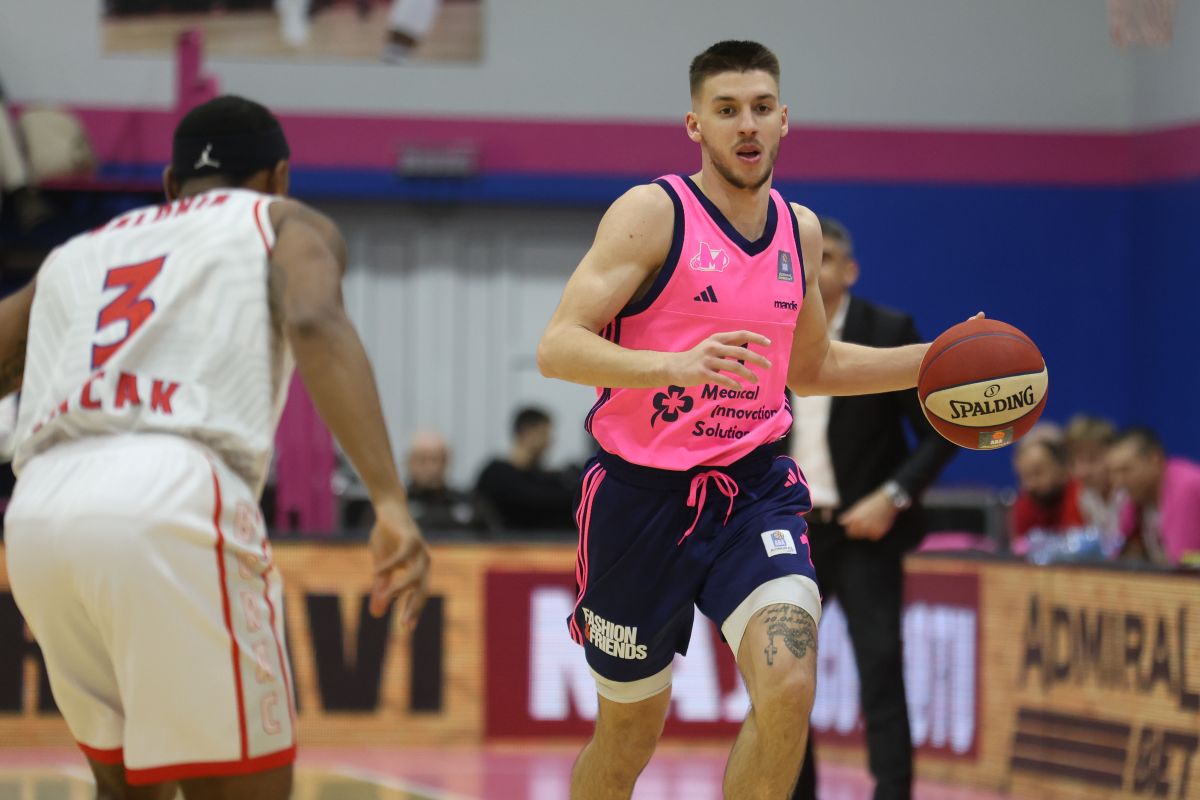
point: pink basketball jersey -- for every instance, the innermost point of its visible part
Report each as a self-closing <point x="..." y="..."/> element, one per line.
<point x="713" y="280"/>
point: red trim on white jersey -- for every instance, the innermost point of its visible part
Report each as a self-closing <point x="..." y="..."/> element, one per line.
<point x="233" y="644"/>
<point x="258" y="221"/>
<point x="113" y="757"/>
<point x="210" y="769"/>
<point x="283" y="665"/>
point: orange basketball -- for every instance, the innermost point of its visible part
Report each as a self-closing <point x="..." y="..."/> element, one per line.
<point x="982" y="384"/>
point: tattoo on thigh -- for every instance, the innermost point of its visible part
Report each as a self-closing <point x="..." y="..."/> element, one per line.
<point x="793" y="625"/>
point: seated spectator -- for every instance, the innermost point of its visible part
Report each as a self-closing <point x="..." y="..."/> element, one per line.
<point x="1161" y="519"/>
<point x="434" y="504"/>
<point x="523" y="494"/>
<point x="16" y="183"/>
<point x="1088" y="439"/>
<point x="1048" y="497"/>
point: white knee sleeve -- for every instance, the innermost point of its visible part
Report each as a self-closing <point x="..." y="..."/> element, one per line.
<point x="794" y="590"/>
<point x="633" y="691"/>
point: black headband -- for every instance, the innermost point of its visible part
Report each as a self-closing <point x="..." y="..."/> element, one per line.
<point x="229" y="153"/>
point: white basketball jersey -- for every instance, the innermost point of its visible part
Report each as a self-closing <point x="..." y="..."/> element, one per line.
<point x="160" y="321"/>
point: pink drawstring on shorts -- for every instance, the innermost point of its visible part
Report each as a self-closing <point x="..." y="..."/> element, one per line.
<point x="699" y="492"/>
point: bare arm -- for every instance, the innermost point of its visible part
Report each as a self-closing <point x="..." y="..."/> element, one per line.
<point x="821" y="367"/>
<point x="14" y="333"/>
<point x="631" y="243"/>
<point x="307" y="264"/>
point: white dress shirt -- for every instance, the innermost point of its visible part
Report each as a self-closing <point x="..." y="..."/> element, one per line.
<point x="810" y="431"/>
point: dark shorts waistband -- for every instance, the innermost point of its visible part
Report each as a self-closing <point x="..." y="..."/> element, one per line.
<point x="751" y="465"/>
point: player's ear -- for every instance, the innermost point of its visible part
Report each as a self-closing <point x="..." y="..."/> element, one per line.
<point x="170" y="183"/>
<point x="783" y="115"/>
<point x="692" y="123"/>
<point x="281" y="178"/>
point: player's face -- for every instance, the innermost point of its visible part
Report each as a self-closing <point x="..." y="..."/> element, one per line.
<point x="737" y="120"/>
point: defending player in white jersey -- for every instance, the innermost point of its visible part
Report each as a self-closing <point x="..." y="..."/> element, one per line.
<point x="154" y="355"/>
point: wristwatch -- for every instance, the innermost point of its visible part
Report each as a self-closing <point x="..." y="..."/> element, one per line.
<point x="895" y="492"/>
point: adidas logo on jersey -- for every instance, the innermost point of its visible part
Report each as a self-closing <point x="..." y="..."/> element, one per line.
<point x="707" y="296"/>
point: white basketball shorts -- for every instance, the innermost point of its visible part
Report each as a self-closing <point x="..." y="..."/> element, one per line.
<point x="141" y="564"/>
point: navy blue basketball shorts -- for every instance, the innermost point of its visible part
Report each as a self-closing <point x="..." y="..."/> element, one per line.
<point x="655" y="544"/>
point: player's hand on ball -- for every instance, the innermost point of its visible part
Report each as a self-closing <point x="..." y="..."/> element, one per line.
<point x="722" y="358"/>
<point x="401" y="560"/>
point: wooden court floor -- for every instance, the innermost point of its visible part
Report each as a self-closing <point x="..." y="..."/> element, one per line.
<point x="467" y="773"/>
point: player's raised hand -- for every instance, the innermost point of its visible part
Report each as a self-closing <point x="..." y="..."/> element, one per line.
<point x="401" y="560"/>
<point x="722" y="358"/>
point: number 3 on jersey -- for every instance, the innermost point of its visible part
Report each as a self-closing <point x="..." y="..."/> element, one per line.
<point x="129" y="306"/>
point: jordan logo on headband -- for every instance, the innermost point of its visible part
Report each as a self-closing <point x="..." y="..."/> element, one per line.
<point x="206" y="160"/>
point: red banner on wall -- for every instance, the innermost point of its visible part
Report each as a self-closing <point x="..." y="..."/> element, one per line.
<point x="539" y="684"/>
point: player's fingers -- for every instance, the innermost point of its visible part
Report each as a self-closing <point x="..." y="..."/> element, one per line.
<point x="742" y="337"/>
<point x="740" y="370"/>
<point x="379" y="600"/>
<point x="409" y="548"/>
<point x="721" y="379"/>
<point x="385" y="590"/>
<point x="403" y="580"/>
<point x="414" y="602"/>
<point x="742" y="354"/>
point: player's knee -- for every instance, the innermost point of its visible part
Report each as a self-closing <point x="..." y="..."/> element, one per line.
<point x="787" y="690"/>
<point x="632" y="738"/>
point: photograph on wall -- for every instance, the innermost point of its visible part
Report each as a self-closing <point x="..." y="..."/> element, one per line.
<point x="380" y="31"/>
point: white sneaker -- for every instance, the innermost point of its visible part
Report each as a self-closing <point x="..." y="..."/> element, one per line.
<point x="396" y="53"/>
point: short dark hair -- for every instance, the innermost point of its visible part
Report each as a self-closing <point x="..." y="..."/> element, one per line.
<point x="1146" y="439"/>
<point x="529" y="417"/>
<point x="237" y="136"/>
<point x="732" y="55"/>
<point x="1055" y="448"/>
<point x="832" y="229"/>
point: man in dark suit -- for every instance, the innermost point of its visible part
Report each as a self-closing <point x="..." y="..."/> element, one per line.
<point x="864" y="479"/>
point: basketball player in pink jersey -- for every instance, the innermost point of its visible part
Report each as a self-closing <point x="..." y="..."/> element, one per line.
<point x="695" y="308"/>
<point x="153" y="356"/>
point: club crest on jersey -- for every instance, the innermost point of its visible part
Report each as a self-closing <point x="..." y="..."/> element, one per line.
<point x="709" y="260"/>
<point x="670" y="404"/>
<point x="784" y="272"/>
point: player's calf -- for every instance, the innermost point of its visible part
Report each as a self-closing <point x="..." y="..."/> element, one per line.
<point x="111" y="785"/>
<point x="624" y="740"/>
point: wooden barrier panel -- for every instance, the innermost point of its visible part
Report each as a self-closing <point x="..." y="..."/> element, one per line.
<point x="357" y="680"/>
<point x="1048" y="682"/>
